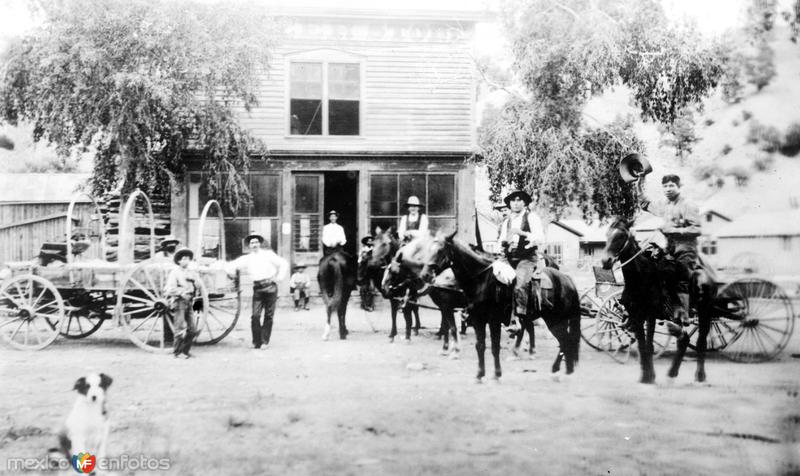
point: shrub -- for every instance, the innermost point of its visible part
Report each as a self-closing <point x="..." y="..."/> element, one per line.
<point x="754" y="133"/>
<point x="709" y="122"/>
<point x="706" y="172"/>
<point x="791" y="142"/>
<point x="726" y="149"/>
<point x="760" y="69"/>
<point x="735" y="123"/>
<point x="746" y="114"/>
<point x="740" y="174"/>
<point x="763" y="162"/>
<point x="770" y="139"/>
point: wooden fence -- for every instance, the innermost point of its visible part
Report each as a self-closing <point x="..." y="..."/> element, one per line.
<point x="25" y="226"/>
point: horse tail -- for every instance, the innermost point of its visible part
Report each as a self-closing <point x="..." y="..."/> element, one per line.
<point x="337" y="284"/>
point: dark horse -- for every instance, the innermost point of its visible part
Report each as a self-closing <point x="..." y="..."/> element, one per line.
<point x="386" y="246"/>
<point x="337" y="278"/>
<point x="645" y="297"/>
<point x="490" y="298"/>
<point x="406" y="268"/>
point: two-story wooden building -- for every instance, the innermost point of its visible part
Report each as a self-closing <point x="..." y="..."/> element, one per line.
<point x="360" y="110"/>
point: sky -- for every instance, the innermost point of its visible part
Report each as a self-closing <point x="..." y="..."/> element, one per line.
<point x="712" y="16"/>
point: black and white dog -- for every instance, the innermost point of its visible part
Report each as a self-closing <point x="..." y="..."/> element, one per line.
<point x="86" y="428"/>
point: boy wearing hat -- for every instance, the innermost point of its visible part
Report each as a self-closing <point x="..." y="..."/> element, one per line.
<point x="298" y="286"/>
<point x="180" y="289"/>
<point x="332" y="234"/>
<point x="265" y="267"/>
<point x="520" y="235"/>
<point x="414" y="222"/>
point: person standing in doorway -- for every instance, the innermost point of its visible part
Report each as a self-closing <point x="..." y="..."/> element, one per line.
<point x="266" y="268"/>
<point x="333" y="237"/>
<point x="414" y="222"/>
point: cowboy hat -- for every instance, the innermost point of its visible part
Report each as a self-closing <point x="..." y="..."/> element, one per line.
<point x="521" y="194"/>
<point x="634" y="166"/>
<point x="181" y="253"/>
<point x="168" y="240"/>
<point x="367" y="240"/>
<point x="413" y="201"/>
<point x="333" y="212"/>
<point x="500" y="206"/>
<point x="299" y="266"/>
<point x="255" y="235"/>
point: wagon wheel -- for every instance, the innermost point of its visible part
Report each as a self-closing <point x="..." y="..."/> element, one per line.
<point x="224" y="306"/>
<point x="614" y="337"/>
<point x="144" y="310"/>
<point x="590" y="303"/>
<point x="756" y="319"/>
<point x="31" y="309"/>
<point x="82" y="314"/>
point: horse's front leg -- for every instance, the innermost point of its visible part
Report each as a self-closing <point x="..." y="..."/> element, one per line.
<point x="531" y="336"/>
<point x="415" y="310"/>
<point x="407" y="318"/>
<point x="394" y="305"/>
<point x="480" y="346"/>
<point x="444" y="332"/>
<point x="520" y="334"/>
<point x="645" y="348"/>
<point x="342" y="312"/>
<point x="496" y="331"/>
<point x="327" y="332"/>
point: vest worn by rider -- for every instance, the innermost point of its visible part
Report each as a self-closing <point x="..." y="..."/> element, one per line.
<point x="520" y="252"/>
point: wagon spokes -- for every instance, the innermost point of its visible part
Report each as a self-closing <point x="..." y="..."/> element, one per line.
<point x="31" y="311"/>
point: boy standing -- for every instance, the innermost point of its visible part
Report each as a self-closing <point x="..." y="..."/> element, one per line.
<point x="298" y="286"/>
<point x="180" y="289"/>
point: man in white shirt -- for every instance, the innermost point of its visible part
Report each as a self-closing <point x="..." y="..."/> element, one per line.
<point x="521" y="234"/>
<point x="413" y="223"/>
<point x="333" y="238"/>
<point x="265" y="268"/>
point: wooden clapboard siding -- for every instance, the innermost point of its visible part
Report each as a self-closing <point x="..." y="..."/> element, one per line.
<point x="418" y="86"/>
<point x="37" y="223"/>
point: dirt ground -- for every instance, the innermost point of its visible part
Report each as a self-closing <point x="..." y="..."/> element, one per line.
<point x="365" y="406"/>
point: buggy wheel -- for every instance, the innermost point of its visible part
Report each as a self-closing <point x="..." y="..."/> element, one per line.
<point x="144" y="310"/>
<point x="31" y="310"/>
<point x="590" y="303"/>
<point x="85" y="313"/>
<point x="758" y="318"/>
<point x="222" y="314"/>
<point x="614" y="336"/>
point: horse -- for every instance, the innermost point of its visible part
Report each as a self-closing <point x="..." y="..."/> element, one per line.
<point x="337" y="278"/>
<point x="491" y="298"/>
<point x="385" y="247"/>
<point x="644" y="298"/>
<point x="405" y="270"/>
<point x="526" y="323"/>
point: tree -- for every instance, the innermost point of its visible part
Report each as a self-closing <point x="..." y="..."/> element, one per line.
<point x="564" y="53"/>
<point x="680" y="135"/>
<point x="138" y="83"/>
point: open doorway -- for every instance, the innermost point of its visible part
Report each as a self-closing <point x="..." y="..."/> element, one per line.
<point x="341" y="194"/>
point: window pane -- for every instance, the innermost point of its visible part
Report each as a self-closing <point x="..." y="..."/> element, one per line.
<point x="344" y="81"/>
<point x="306" y="194"/>
<point x="383" y="190"/>
<point x="442" y="195"/>
<point x="235" y="232"/>
<point x="445" y="225"/>
<point x="412" y="185"/>
<point x="306" y="81"/>
<point x="343" y="118"/>
<point x="306" y="117"/>
<point x="265" y="190"/>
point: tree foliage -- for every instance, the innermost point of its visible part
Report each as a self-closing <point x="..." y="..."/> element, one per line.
<point x="137" y="83"/>
<point x="680" y="135"/>
<point x="565" y="52"/>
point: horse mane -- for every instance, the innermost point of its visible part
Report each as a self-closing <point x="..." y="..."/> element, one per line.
<point x="465" y="249"/>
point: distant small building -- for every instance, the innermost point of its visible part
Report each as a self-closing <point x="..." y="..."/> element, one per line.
<point x="762" y="243"/>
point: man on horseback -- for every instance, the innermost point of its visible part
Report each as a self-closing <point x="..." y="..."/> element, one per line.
<point x="681" y="227"/>
<point x="333" y="238"/>
<point x="414" y="222"/>
<point x="521" y="234"/>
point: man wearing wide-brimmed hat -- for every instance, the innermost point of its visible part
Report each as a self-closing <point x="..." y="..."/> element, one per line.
<point x="414" y="222"/>
<point x="266" y="268"/>
<point x="167" y="247"/>
<point x="180" y="289"/>
<point x="333" y="237"/>
<point x="520" y="235"/>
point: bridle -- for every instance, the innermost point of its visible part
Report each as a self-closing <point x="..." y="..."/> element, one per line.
<point x="629" y="241"/>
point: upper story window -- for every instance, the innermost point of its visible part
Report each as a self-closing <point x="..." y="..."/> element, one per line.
<point x="324" y="98"/>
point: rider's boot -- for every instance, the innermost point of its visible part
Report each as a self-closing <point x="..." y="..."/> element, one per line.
<point x="681" y="311"/>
